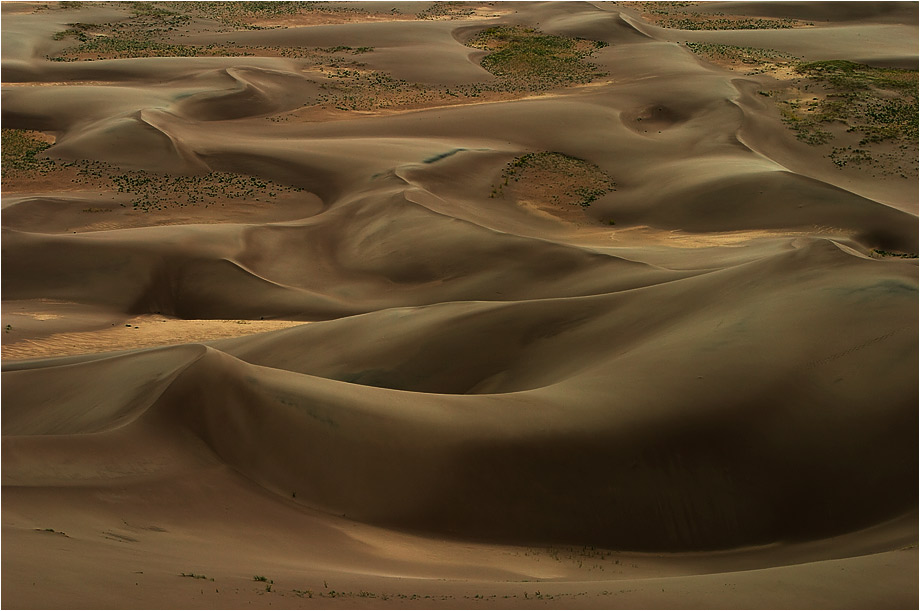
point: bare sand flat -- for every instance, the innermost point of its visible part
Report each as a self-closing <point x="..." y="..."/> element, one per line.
<point x="459" y="305"/>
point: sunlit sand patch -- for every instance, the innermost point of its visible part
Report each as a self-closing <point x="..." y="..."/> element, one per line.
<point x="683" y="239"/>
<point x="329" y="18"/>
<point x="57" y="83"/>
<point x="144" y="331"/>
<point x="321" y="113"/>
<point x="479" y="12"/>
<point x="556" y="214"/>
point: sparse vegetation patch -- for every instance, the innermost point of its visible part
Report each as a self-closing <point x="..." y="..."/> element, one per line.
<point x="21" y="151"/>
<point x="854" y="106"/>
<point x="530" y="59"/>
<point x="807" y="128"/>
<point x="261" y="14"/>
<point x="755" y="58"/>
<point x="104" y="47"/>
<point x="876" y="105"/>
<point x="879" y="103"/>
<point x="157" y="30"/>
<point x="553" y="181"/>
<point x="847" y="155"/>
<point x="446" y="10"/>
<point x="354" y="88"/>
<point x="525" y="59"/>
<point x="677" y="15"/>
<point x="881" y="254"/>
<point x="148" y="191"/>
<point x="153" y="191"/>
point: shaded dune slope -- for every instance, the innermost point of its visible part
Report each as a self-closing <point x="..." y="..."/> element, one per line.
<point x="360" y="254"/>
<point x="599" y="430"/>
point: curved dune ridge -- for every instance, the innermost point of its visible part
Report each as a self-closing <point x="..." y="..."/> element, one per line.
<point x="258" y="325"/>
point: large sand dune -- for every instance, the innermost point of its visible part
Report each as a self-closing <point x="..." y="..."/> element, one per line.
<point x="281" y="335"/>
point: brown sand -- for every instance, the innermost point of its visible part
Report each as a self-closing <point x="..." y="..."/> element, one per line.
<point x="699" y="391"/>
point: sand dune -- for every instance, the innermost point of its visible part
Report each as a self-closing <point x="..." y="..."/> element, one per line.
<point x="331" y="308"/>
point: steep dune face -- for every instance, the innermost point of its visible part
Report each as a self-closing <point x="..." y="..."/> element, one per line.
<point x="690" y="429"/>
<point x="571" y="438"/>
<point x="732" y="200"/>
<point x="624" y="311"/>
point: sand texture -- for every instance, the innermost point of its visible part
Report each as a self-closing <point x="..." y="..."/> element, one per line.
<point x="460" y="305"/>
